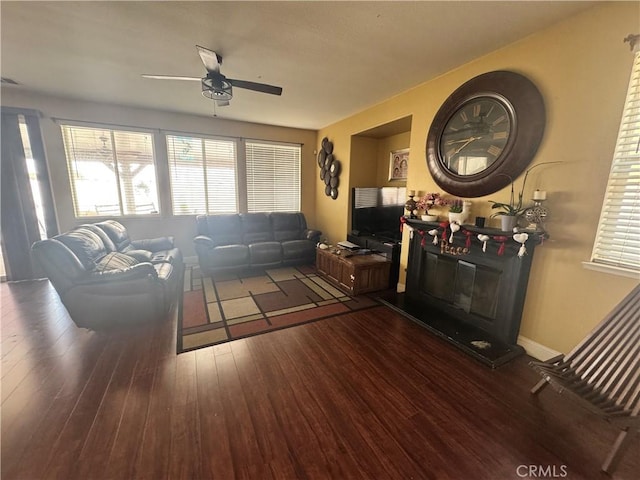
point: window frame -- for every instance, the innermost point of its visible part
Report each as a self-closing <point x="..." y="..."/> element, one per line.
<point x="112" y="129"/>
<point x="622" y="156"/>
<point x="274" y="143"/>
<point x="202" y="137"/>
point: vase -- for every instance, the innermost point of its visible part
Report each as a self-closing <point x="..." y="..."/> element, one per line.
<point x="457" y="217"/>
<point x="429" y="218"/>
<point x="508" y="222"/>
<point x="462" y="216"/>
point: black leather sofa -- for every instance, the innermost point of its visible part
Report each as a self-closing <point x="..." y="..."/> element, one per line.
<point x="260" y="240"/>
<point x="105" y="279"/>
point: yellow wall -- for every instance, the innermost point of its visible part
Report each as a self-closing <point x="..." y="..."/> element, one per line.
<point x="363" y="162"/>
<point x="582" y="68"/>
<point x="181" y="227"/>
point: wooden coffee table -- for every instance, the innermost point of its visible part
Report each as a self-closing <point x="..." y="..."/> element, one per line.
<point x="353" y="273"/>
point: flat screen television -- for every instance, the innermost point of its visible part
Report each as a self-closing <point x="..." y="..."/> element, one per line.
<point x="376" y="211"/>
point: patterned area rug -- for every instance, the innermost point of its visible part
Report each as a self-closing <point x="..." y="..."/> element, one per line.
<point x="231" y="306"/>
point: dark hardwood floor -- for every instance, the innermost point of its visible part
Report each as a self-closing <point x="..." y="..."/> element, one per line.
<point x="366" y="395"/>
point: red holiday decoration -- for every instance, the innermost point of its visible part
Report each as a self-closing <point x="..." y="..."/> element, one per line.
<point x="444" y="226"/>
<point x="467" y="242"/>
<point x="501" y="239"/>
<point x="423" y="241"/>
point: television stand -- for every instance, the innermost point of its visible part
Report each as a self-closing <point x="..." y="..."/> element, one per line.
<point x="385" y="247"/>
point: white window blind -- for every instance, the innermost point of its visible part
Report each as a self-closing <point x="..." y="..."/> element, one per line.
<point x="203" y="175"/>
<point x="618" y="237"/>
<point x="273" y="177"/>
<point x="393" y="196"/>
<point x="366" y="197"/>
<point x="112" y="172"/>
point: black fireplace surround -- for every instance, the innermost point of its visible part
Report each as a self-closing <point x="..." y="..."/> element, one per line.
<point x="471" y="297"/>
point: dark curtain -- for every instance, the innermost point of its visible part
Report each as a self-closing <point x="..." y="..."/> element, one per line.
<point x="19" y="221"/>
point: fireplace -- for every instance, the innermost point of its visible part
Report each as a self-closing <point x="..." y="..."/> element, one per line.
<point x="470" y="296"/>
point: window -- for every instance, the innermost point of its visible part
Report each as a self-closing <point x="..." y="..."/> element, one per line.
<point x="273" y="177"/>
<point x="203" y="175"/>
<point x="112" y="172"/>
<point x="33" y="177"/>
<point x="366" y="197"/>
<point x="617" y="241"/>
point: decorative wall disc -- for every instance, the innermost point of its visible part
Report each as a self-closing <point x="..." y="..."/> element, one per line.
<point x="334" y="169"/>
<point x="329" y="168"/>
<point x="321" y="156"/>
<point x="329" y="147"/>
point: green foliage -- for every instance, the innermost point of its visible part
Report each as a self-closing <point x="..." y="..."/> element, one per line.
<point x="456" y="206"/>
<point x="507" y="209"/>
<point x="512" y="208"/>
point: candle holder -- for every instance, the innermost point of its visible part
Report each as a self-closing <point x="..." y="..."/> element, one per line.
<point x="536" y="215"/>
<point x="410" y="205"/>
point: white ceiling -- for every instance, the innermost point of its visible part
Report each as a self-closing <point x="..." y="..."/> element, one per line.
<point x="332" y="59"/>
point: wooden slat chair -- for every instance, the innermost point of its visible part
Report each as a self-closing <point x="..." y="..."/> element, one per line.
<point x="108" y="209"/>
<point x="114" y="210"/>
<point x="603" y="372"/>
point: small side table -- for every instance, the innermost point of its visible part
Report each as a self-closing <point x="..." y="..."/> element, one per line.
<point x="352" y="272"/>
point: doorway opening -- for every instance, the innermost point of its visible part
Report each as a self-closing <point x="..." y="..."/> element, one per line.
<point x="35" y="189"/>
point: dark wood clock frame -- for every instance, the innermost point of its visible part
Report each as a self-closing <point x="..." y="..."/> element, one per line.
<point x="524" y="102"/>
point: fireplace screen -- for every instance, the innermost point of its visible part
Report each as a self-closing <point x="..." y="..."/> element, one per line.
<point x="467" y="286"/>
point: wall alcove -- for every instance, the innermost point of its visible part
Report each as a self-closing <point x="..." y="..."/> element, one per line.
<point x="369" y="167"/>
<point x="370" y="151"/>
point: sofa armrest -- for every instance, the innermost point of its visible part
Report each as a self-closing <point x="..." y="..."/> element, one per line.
<point x="313" y="235"/>
<point x="138" y="271"/>
<point x="140" y="255"/>
<point x="204" y="242"/>
<point x="153" y="244"/>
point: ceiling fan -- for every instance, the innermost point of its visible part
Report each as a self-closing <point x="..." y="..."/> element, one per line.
<point x="214" y="84"/>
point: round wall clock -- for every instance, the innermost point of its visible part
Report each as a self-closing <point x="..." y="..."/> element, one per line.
<point x="485" y="134"/>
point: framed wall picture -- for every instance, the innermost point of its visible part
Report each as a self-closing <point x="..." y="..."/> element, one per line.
<point x="398" y="164"/>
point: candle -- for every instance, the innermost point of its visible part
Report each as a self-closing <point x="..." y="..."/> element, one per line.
<point x="539" y="195"/>
<point x="412" y="193"/>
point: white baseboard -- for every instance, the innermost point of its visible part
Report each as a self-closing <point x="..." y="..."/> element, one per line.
<point x="536" y="350"/>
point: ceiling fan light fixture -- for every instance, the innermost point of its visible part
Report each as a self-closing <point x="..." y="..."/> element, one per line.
<point x="216" y="88"/>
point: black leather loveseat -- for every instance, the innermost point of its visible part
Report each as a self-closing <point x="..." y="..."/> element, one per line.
<point x="104" y="278"/>
<point x="262" y="240"/>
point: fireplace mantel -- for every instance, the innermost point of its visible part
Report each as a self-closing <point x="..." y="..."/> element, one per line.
<point x="458" y="290"/>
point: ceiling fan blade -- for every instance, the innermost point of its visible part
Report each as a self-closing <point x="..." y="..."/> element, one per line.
<point x="258" y="87"/>
<point x="210" y="59"/>
<point x="171" y="77"/>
